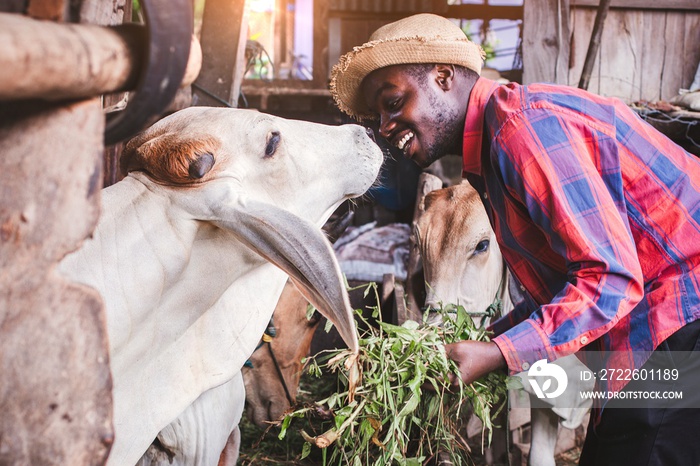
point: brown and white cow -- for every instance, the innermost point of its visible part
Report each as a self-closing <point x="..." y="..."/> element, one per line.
<point x="272" y="376"/>
<point x="463" y="265"/>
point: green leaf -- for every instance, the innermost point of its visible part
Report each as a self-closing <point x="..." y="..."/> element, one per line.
<point x="514" y="383"/>
<point x="411" y="325"/>
<point x="305" y="450"/>
<point x="310" y="309"/>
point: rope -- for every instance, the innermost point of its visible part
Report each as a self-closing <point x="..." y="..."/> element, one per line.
<point x="268" y="336"/>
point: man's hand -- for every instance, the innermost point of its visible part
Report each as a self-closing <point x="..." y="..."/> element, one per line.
<point x="474" y="359"/>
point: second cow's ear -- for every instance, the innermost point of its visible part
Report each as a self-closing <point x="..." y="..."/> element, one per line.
<point x="170" y="158"/>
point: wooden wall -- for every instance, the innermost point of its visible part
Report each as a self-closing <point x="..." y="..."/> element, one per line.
<point x="646" y="53"/>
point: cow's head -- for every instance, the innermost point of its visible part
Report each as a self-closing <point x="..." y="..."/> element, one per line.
<point x="271" y="182"/>
<point x="292" y="164"/>
<point x="461" y="259"/>
<point x="273" y="373"/>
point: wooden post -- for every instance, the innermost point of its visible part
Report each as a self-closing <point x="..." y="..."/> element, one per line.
<point x="415" y="283"/>
<point x="56" y="64"/>
<point x="223" y="39"/>
<point x="320" y="70"/>
<point x="55" y="389"/>
<point x="109" y="14"/>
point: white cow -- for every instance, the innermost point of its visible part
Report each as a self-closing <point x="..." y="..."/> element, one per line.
<point x="182" y="256"/>
<point x="463" y="265"/>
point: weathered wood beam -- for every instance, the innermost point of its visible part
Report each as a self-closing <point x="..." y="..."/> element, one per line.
<point x="692" y="5"/>
<point x="320" y="38"/>
<point x="546" y="41"/>
<point x="65" y="61"/>
<point x="69" y="61"/>
<point x="485" y="12"/>
<point x="223" y="39"/>
<point x="55" y="389"/>
<point x="471" y="11"/>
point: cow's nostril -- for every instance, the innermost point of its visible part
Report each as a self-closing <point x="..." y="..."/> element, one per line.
<point x="370" y="133"/>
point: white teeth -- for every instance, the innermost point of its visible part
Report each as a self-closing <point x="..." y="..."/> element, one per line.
<point x="404" y="140"/>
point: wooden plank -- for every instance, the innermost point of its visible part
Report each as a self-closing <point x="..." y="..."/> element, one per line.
<point x="108" y="14"/>
<point x="485" y="12"/>
<point x="619" y="61"/>
<point x="256" y="90"/>
<point x="652" y="23"/>
<point x="223" y="39"/>
<point x="55" y="389"/>
<point x="280" y="36"/>
<point x="643" y="4"/>
<point x="546" y="44"/>
<point x="691" y="48"/>
<point x="400" y="312"/>
<point x="439" y="7"/>
<point x="13" y="6"/>
<point x="56" y="64"/>
<point x="320" y="37"/>
<point x="105" y="13"/>
<point x="645" y="54"/>
<point x="277" y="83"/>
<point x="673" y="59"/>
<point x="357" y="32"/>
<point x="386" y="297"/>
<point x="404" y="9"/>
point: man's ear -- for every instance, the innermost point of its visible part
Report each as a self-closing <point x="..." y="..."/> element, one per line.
<point x="444" y="76"/>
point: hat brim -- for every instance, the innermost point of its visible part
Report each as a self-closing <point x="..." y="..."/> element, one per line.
<point x="353" y="67"/>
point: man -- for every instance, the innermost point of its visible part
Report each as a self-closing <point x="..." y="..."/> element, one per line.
<point x="597" y="215"/>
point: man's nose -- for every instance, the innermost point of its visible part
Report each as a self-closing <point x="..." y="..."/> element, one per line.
<point x="386" y="126"/>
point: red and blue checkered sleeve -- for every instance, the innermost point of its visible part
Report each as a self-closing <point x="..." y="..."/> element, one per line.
<point x="562" y="183"/>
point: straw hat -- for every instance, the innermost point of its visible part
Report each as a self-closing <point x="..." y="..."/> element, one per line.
<point x="422" y="38"/>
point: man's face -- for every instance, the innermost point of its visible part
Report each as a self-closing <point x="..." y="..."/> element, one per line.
<point x="416" y="114"/>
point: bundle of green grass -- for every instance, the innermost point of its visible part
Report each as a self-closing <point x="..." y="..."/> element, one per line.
<point x="394" y="403"/>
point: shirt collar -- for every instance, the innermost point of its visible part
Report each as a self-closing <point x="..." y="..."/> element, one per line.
<point x="474" y="125"/>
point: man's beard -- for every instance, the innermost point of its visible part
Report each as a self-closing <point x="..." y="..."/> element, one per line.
<point x="447" y="131"/>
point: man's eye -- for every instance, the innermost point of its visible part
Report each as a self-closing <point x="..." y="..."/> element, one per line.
<point x="393" y="104"/>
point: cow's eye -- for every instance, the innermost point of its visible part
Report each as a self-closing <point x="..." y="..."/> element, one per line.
<point x="273" y="141"/>
<point x="482" y="247"/>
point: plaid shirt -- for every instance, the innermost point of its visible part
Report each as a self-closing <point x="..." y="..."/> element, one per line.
<point x="597" y="215"/>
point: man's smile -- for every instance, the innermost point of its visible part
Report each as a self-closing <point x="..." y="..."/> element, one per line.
<point x="401" y="143"/>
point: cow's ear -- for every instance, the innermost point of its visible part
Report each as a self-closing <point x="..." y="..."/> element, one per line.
<point x="170" y="158"/>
